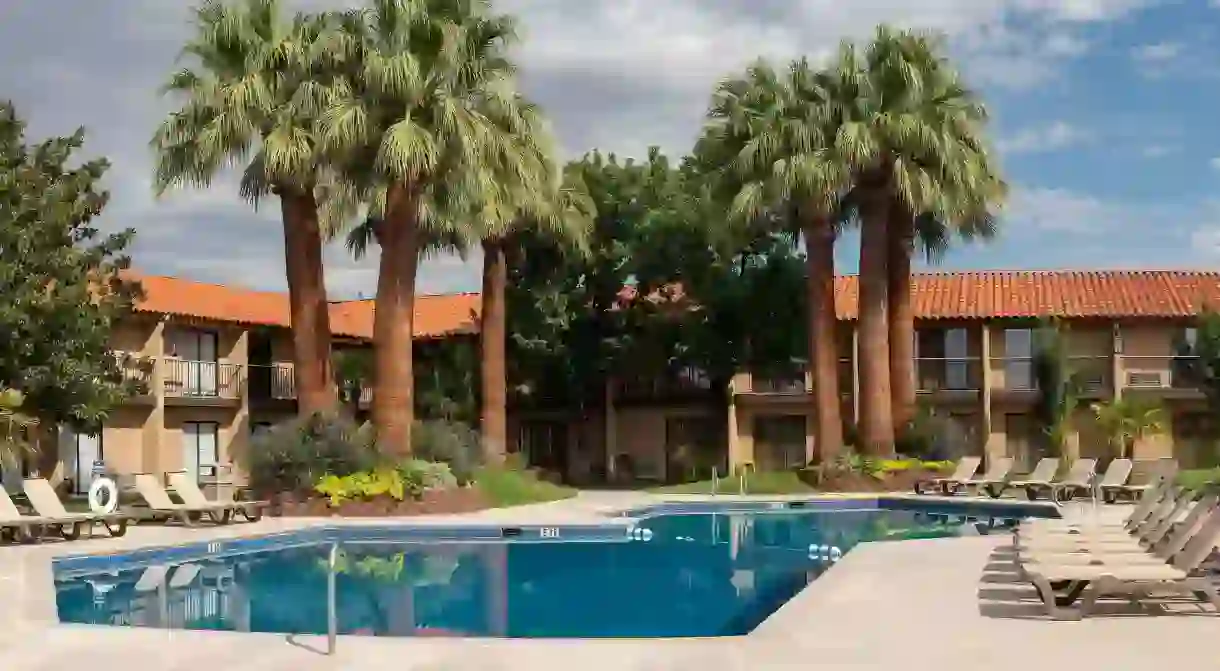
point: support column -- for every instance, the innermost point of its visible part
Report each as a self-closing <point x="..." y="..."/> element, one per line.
<point x="154" y="424"/>
<point x="987" y="449"/>
<point x="1116" y="361"/>
<point x="733" y="443"/>
<point x="855" y="375"/>
<point x="610" y="429"/>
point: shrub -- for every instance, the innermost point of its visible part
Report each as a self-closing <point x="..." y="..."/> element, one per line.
<point x="427" y="474"/>
<point x="295" y="454"/>
<point x="452" y="443"/>
<point x="383" y="481"/>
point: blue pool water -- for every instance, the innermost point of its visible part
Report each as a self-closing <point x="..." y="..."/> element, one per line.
<point x="698" y="575"/>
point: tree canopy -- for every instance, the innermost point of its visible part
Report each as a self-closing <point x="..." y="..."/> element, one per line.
<point x="60" y="279"/>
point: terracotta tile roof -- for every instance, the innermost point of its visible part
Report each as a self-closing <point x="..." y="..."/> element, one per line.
<point x="434" y="315"/>
<point x="967" y="295"/>
<point x="1079" y="294"/>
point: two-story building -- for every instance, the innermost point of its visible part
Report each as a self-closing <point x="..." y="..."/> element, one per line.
<point x="215" y="363"/>
<point x="1125" y="334"/>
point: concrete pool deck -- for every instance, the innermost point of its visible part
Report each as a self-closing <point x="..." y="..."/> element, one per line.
<point x="925" y="604"/>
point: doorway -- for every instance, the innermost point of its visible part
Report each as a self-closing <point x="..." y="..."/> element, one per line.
<point x="261" y="367"/>
<point x="86" y="449"/>
<point x="200" y="448"/>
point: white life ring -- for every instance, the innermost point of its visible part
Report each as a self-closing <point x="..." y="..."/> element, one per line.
<point x="103" y="496"/>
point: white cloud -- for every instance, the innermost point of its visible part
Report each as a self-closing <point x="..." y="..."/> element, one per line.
<point x="1158" y="52"/>
<point x="1206" y="240"/>
<point x="1062" y="210"/>
<point x="1158" y="150"/>
<point x="615" y="74"/>
<point x="1215" y="163"/>
<point x="1051" y="137"/>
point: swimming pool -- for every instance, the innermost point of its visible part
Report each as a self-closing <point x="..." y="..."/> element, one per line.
<point x="692" y="571"/>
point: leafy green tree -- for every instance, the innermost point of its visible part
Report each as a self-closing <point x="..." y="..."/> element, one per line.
<point x="251" y="94"/>
<point x="1204" y="370"/>
<point x="62" y="282"/>
<point x="427" y="128"/>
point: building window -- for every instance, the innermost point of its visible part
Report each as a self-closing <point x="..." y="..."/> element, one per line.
<point x="544" y="444"/>
<point x="957" y="364"/>
<point x="1018" y="358"/>
<point x="779" y="442"/>
<point x="200" y="448"/>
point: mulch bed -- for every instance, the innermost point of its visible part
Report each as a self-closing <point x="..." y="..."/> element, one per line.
<point x="437" y="502"/>
<point x="900" y="481"/>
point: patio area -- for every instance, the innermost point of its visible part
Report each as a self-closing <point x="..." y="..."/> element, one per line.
<point x="924" y="604"/>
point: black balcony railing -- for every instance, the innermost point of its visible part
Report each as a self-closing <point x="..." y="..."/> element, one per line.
<point x="202" y="379"/>
<point x="948" y="374"/>
<point x="778" y="383"/>
<point x="272" y="382"/>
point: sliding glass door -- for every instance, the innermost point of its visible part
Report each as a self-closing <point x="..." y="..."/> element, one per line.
<point x="200" y="448"/>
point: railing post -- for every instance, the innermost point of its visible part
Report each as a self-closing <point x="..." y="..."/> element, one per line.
<point x="332" y="616"/>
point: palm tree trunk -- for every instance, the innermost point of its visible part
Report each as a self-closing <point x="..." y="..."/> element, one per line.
<point x="876" y="416"/>
<point x="901" y="239"/>
<point x="492" y="347"/>
<point x="823" y="346"/>
<point x="393" y="325"/>
<point x="315" y="383"/>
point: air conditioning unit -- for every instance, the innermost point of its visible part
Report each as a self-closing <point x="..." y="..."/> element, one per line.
<point x="1146" y="378"/>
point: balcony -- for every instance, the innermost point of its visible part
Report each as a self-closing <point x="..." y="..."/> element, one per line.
<point x="948" y="375"/>
<point x="272" y="383"/>
<point x="202" y="382"/>
<point x="682" y="384"/>
<point x="1162" y="375"/>
<point x="786" y="384"/>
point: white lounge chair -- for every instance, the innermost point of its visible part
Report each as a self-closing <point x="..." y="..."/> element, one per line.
<point x="1160" y="542"/>
<point x="191" y="495"/>
<point x="994" y="480"/>
<point x="1040" y="479"/>
<point x="46" y="502"/>
<point x="1164" y="469"/>
<point x="30" y="528"/>
<point x="965" y="470"/>
<point x="160" y="505"/>
<point x="1059" y="586"/>
<point x="1079" y="478"/>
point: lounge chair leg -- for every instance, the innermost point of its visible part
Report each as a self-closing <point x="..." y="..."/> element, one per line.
<point x="1055" y="608"/>
<point x="70" y="532"/>
<point x="116" y="532"/>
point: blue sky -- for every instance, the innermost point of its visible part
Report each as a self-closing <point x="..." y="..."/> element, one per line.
<point x="1103" y="114"/>
<point x="1113" y="156"/>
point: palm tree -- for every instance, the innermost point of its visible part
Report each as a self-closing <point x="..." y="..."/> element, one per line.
<point x="913" y="141"/>
<point x="1128" y="420"/>
<point x="773" y="136"/>
<point x="565" y="216"/>
<point x="252" y="94"/>
<point x="971" y="192"/>
<point x="427" y="127"/>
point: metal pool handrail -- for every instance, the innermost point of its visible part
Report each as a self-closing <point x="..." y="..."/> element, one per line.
<point x="332" y="615"/>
